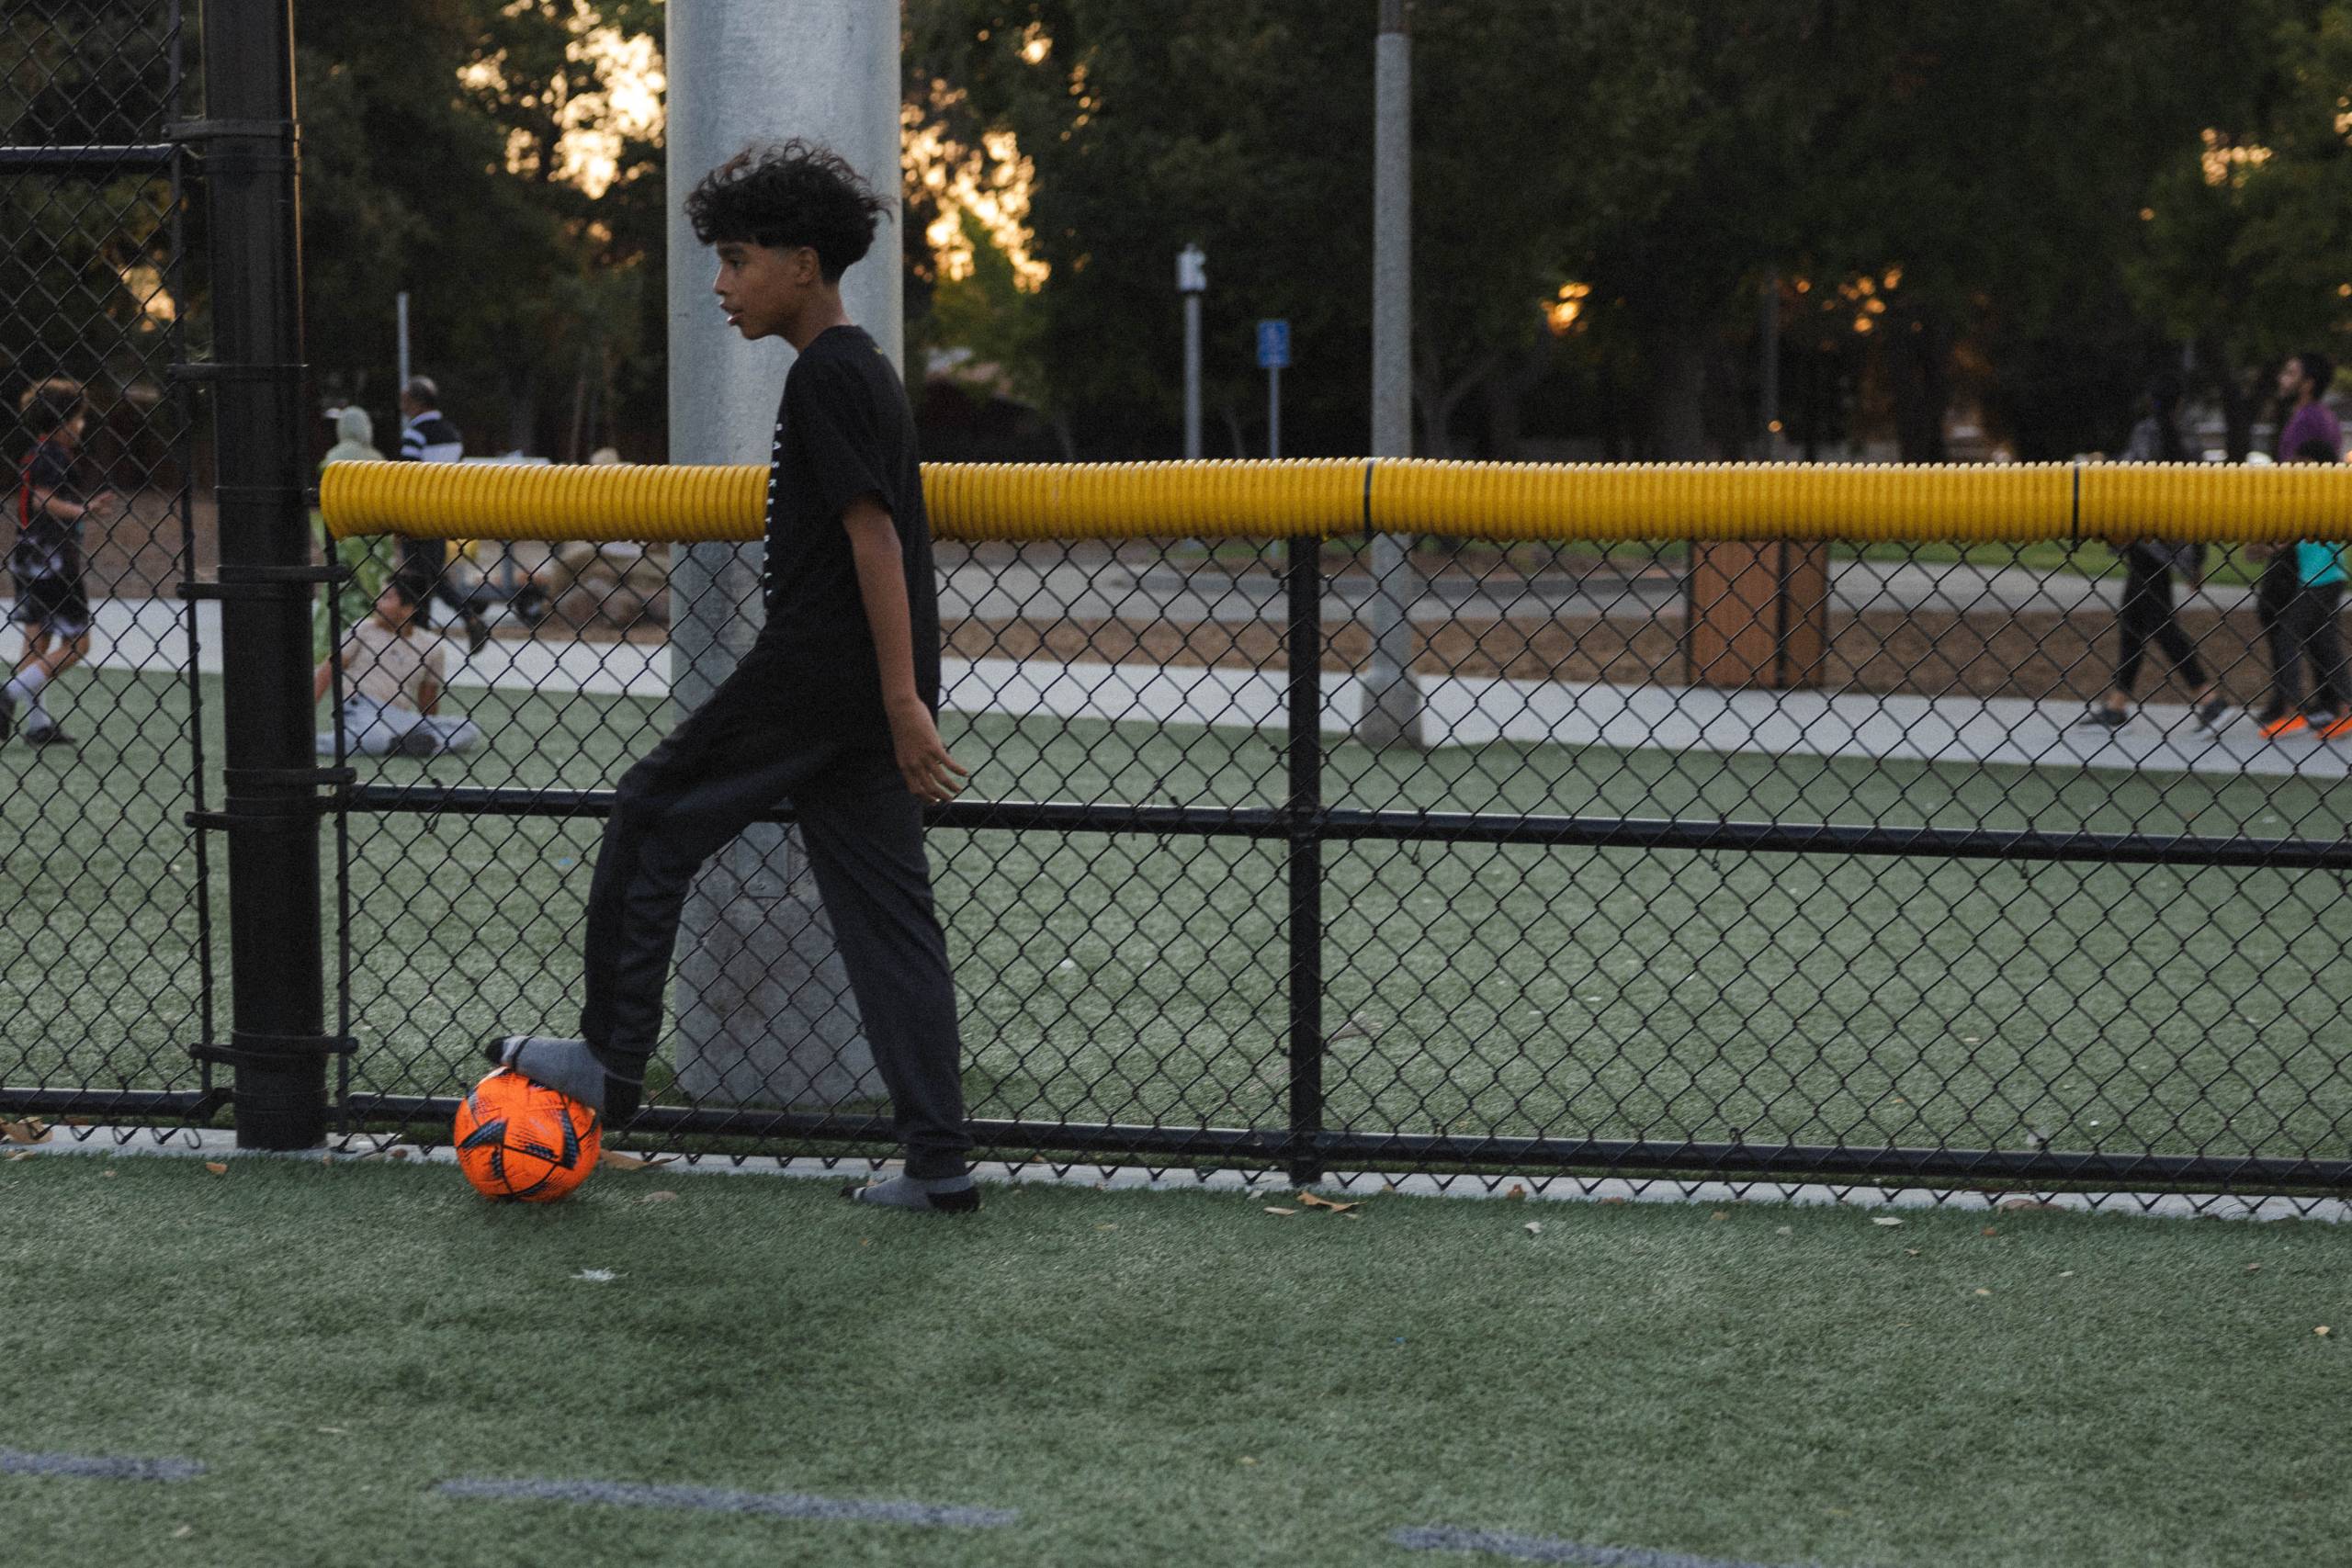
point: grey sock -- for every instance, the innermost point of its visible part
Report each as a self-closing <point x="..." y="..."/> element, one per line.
<point x="948" y="1194"/>
<point x="567" y="1066"/>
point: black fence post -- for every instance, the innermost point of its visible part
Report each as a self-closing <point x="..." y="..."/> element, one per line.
<point x="269" y="779"/>
<point x="1305" y="574"/>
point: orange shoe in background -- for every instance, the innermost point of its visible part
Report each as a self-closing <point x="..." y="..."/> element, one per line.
<point x="2285" y="724"/>
<point x="2337" y="728"/>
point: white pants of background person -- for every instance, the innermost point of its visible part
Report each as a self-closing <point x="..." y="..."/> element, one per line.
<point x="379" y="729"/>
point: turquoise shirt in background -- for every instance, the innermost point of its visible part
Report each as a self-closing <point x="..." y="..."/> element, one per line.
<point x="2316" y="565"/>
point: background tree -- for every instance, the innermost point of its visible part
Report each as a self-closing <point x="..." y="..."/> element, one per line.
<point x="492" y="158"/>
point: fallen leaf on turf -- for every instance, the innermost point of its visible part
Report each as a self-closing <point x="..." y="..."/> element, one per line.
<point x="1107" y="1227"/>
<point x="1534" y="1227"/>
<point x="1718" y="1215"/>
<point x="1782" y="1229"/>
<point x="2254" y="1268"/>
<point x="1312" y="1201"/>
<point x="29" y="1131"/>
<point x="1248" y="1459"/>
<point x="2065" y="1273"/>
<point x="2322" y="1331"/>
<point x="16" y="1154"/>
<point x="1884" y="1220"/>
<point x="1983" y="1292"/>
<point x="184" y="1532"/>
<point x="1272" y="1210"/>
<point x="108" y="1172"/>
<point x="1612" y="1200"/>
<point x="216" y="1168"/>
<point x="337" y="1431"/>
<point x="593" y="1277"/>
<point x="396" y="1153"/>
<point x="2014" y="1206"/>
<point x="1910" y="1252"/>
<point x="1515" y="1191"/>
<point x="663" y="1197"/>
<point x="1992" y="1230"/>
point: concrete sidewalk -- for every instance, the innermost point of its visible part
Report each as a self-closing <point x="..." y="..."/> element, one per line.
<point x="150" y="636"/>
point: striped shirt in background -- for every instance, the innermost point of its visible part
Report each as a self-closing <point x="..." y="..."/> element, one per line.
<point x="431" y="438"/>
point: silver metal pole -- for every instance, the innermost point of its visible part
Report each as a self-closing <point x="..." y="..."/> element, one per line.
<point x="1192" y="374"/>
<point x="399" y="313"/>
<point x="764" y="1013"/>
<point x="1392" y="708"/>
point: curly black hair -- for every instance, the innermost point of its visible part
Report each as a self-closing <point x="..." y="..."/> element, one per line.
<point x="52" y="405"/>
<point x="795" y="193"/>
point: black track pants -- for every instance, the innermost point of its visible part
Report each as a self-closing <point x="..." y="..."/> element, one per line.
<point x="2147" y="616"/>
<point x="756" y="744"/>
<point x="2302" y="624"/>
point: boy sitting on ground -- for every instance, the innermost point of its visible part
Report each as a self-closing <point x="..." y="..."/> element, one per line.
<point x="393" y="677"/>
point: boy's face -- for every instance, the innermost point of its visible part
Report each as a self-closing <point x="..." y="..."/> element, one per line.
<point x="2291" y="380"/>
<point x="764" y="289"/>
<point x="392" y="606"/>
<point x="69" y="434"/>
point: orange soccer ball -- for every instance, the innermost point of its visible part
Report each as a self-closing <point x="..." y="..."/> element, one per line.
<point x="517" y="1140"/>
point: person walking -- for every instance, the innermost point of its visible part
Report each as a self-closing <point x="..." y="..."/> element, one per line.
<point x="2147" y="614"/>
<point x="2302" y="582"/>
<point x="428" y="435"/>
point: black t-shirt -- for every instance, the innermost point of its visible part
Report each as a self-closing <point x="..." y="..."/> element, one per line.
<point x="46" y="545"/>
<point x="844" y="431"/>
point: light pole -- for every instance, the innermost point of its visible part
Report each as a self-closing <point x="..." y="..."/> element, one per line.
<point x="1392" y="706"/>
<point x="1191" y="282"/>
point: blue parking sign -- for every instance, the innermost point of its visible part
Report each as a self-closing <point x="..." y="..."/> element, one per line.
<point x="1274" y="345"/>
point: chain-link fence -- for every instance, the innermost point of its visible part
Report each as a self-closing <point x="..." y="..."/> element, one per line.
<point x="109" y="672"/>
<point x="1793" y="858"/>
<point x="1737" y="861"/>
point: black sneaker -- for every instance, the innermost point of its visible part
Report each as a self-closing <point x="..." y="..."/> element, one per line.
<point x="2209" y="716"/>
<point x="53" y="736"/>
<point x="2104" y="718"/>
<point x="7" y="714"/>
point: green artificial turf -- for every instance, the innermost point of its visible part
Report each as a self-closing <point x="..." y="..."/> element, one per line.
<point x="1178" y="1379"/>
<point x="1601" y="992"/>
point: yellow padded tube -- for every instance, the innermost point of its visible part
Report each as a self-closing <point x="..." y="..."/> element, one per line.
<point x="1724" y="500"/>
<point x="512" y="500"/>
<point x="2214" y="504"/>
<point x="1304" y="497"/>
<point x="1308" y="497"/>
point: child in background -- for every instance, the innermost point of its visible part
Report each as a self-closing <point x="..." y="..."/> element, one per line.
<point x="53" y="600"/>
<point x="393" y="675"/>
<point x="2301" y="591"/>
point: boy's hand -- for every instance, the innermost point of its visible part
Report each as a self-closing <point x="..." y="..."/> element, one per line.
<point x="931" y="774"/>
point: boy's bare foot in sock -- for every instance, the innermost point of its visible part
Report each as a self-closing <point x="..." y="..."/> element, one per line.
<point x="937" y="1194"/>
<point x="568" y="1068"/>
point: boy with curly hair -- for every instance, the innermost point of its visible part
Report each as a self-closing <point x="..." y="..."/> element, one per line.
<point x="833" y="708"/>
